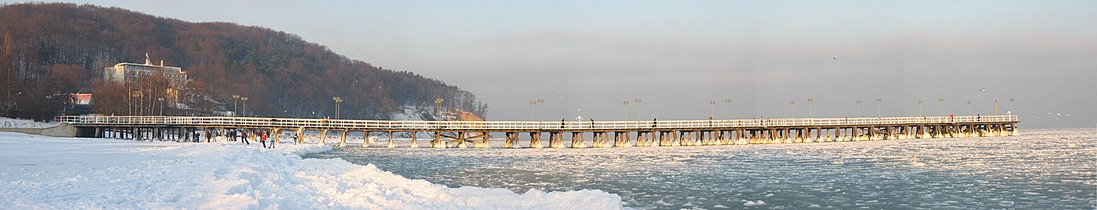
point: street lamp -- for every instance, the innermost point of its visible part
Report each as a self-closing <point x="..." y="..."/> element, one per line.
<point x="540" y="101"/>
<point x="138" y="98"/>
<point x="983" y="91"/>
<point x="337" y="100"/>
<point x="234" y="98"/>
<point x="245" y="111"/>
<point x="626" y="102"/>
<point x="792" y="107"/>
<point x="637" y="103"/>
<point x="878" y="114"/>
<point x="438" y="102"/>
<point x="920" y="108"/>
<point x="810" y="101"/>
<point x="941" y="106"/>
<point x="969" y="109"/>
<point x="161" y="105"/>
<point x="728" y="102"/>
<point x="531" y="103"/>
<point x="133" y="103"/>
<point x="563" y="107"/>
<point x="1009" y="110"/>
<point x="858" y="108"/>
<point x="533" y="106"/>
<point x="711" y="108"/>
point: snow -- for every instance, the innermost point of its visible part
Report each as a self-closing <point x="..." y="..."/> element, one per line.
<point x="754" y="203"/>
<point x="22" y="123"/>
<point x="51" y="173"/>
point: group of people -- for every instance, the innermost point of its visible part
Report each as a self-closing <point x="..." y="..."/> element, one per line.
<point x="238" y="135"/>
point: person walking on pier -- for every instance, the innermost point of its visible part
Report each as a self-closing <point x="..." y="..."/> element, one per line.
<point x="592" y="123"/>
<point x="654" y="122"/>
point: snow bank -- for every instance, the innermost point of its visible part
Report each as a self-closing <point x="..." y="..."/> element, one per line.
<point x="46" y="172"/>
<point x="22" y="123"/>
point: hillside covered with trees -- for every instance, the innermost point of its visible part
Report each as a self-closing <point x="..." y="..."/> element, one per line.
<point x="54" y="49"/>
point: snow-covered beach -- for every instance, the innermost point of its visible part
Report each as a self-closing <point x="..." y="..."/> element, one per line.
<point x="40" y="172"/>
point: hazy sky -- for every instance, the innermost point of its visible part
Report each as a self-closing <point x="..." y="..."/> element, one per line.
<point x="678" y="55"/>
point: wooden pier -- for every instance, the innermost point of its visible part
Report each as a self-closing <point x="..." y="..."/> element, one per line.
<point x="604" y="134"/>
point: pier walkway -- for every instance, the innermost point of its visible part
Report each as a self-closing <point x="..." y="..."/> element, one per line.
<point x="477" y="133"/>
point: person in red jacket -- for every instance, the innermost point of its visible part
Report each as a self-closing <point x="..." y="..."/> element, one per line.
<point x="263" y="138"/>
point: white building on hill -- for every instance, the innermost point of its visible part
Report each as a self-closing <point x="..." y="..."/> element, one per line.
<point x="128" y="73"/>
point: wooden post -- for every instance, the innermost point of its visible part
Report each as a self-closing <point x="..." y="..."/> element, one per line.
<point x="437" y="142"/>
<point x="484" y="142"/>
<point x="365" y="138"/>
<point x="343" y="138"/>
<point x="510" y="139"/>
<point x="555" y="139"/>
<point x="461" y="139"/>
<point x="391" y="144"/>
<point x="300" y="133"/>
<point x="535" y="140"/>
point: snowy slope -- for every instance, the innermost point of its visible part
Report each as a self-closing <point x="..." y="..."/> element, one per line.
<point x="54" y="173"/>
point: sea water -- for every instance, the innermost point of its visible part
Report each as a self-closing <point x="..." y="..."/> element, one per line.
<point x="1039" y="169"/>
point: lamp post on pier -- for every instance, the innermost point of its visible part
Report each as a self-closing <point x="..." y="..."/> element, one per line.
<point x="810" y="101"/>
<point x="626" y="103"/>
<point x="969" y="109"/>
<point x="858" y="108"/>
<point x="712" y="109"/>
<point x="161" y="105"/>
<point x="438" y="107"/>
<point x="1009" y="110"/>
<point x="728" y="102"/>
<point x="234" y="98"/>
<point x="878" y="112"/>
<point x="533" y="108"/>
<point x="637" y="103"/>
<point x="337" y="100"/>
<point x="133" y="102"/>
<point x="792" y="107"/>
<point x="245" y="111"/>
<point x="920" y="108"/>
<point x="540" y="101"/>
<point x="941" y="106"/>
<point x="531" y="103"/>
<point x="563" y="107"/>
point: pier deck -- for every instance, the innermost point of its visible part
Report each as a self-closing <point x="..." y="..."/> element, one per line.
<point x="646" y="133"/>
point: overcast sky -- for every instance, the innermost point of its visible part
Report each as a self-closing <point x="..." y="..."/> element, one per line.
<point x="676" y="56"/>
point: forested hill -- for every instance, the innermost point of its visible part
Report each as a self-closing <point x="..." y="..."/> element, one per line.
<point x="50" y="49"/>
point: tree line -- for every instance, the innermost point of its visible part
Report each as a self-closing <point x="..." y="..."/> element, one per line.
<point x="51" y="49"/>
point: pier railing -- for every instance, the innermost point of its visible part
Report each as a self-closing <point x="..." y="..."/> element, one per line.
<point x="516" y="125"/>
